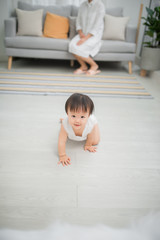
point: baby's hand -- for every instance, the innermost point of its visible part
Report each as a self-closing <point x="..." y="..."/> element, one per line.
<point x="90" y="148"/>
<point x="64" y="160"/>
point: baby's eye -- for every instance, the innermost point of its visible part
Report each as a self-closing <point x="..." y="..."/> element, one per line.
<point x="82" y="116"/>
<point x="73" y="116"/>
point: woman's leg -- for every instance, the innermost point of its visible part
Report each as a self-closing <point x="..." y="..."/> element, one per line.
<point x="83" y="65"/>
<point x="82" y="61"/>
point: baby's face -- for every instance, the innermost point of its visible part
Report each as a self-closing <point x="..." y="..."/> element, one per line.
<point x="78" y="119"/>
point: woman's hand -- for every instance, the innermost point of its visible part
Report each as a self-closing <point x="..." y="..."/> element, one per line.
<point x="81" y="41"/>
<point x="83" y="38"/>
<point x="81" y="34"/>
<point x="64" y="160"/>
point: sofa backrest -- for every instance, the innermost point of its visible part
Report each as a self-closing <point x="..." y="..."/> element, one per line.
<point x="116" y="12"/>
<point x="71" y="10"/>
<point x="64" y="11"/>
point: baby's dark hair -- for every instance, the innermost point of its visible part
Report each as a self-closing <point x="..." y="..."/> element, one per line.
<point x="79" y="101"/>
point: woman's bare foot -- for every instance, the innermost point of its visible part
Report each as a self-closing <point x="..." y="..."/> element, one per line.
<point x="80" y="70"/>
<point x="93" y="70"/>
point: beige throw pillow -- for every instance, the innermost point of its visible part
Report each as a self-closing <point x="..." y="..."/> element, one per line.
<point x="29" y="22"/>
<point x="114" y="27"/>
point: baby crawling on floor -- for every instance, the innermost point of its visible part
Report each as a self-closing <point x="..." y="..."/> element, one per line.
<point x="79" y="125"/>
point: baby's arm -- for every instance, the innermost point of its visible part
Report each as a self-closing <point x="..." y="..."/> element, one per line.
<point x="93" y="138"/>
<point x="63" y="158"/>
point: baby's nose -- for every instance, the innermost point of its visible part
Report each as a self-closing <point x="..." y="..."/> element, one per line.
<point x="77" y="119"/>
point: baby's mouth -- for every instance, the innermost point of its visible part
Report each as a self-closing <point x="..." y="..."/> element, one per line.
<point x="76" y="125"/>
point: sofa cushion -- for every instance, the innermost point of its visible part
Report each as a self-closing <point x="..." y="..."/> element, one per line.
<point x="56" y="26"/>
<point x="64" y="11"/>
<point x="72" y="27"/>
<point x="111" y="46"/>
<point x="117" y="11"/>
<point x="114" y="27"/>
<point x="37" y="43"/>
<point x="108" y="46"/>
<point x="29" y="22"/>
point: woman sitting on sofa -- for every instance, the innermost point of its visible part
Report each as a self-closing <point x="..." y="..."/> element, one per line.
<point x="85" y="45"/>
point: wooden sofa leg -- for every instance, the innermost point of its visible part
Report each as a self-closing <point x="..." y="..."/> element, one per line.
<point x="72" y="63"/>
<point x="130" y="67"/>
<point x="9" y="62"/>
<point x="143" y="73"/>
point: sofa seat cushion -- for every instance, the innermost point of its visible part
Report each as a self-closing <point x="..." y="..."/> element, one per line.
<point x="112" y="46"/>
<point x="37" y="43"/>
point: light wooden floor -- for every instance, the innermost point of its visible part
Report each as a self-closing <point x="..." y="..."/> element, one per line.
<point x="119" y="183"/>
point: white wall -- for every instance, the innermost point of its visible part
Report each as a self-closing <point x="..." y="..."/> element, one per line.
<point x="131" y="9"/>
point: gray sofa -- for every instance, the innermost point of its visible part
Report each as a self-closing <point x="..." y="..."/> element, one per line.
<point x="51" y="48"/>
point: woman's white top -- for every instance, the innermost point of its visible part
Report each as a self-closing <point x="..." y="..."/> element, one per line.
<point x="91" y="20"/>
<point x="88" y="128"/>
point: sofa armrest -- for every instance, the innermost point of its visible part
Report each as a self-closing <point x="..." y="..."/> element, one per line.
<point x="131" y="34"/>
<point x="10" y="27"/>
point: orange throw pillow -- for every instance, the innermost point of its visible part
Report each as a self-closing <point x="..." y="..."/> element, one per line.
<point x="56" y="26"/>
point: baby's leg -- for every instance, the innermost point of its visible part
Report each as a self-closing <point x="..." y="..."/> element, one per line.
<point x="93" y="139"/>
